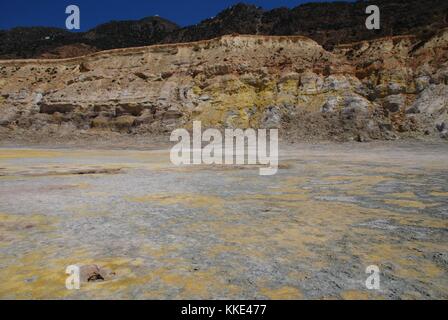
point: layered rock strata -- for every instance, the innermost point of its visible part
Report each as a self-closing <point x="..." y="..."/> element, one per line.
<point x="381" y="89"/>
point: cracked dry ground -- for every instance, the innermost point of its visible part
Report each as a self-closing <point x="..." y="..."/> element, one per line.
<point x="222" y="232"/>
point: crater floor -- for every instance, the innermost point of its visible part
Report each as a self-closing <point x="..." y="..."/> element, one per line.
<point x="202" y="232"/>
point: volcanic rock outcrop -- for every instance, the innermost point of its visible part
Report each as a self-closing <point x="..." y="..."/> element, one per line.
<point x="380" y="89"/>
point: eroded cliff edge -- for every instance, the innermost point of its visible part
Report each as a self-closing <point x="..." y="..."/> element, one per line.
<point x="387" y="88"/>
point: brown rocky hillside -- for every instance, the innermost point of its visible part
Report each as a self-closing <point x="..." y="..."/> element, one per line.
<point x="329" y="24"/>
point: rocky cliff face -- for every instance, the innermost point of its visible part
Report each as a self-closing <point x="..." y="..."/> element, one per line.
<point x="381" y="89"/>
<point x="329" y="24"/>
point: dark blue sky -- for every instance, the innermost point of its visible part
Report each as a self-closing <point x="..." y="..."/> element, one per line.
<point x="14" y="13"/>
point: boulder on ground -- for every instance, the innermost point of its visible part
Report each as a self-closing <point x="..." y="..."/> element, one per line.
<point x="94" y="273"/>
